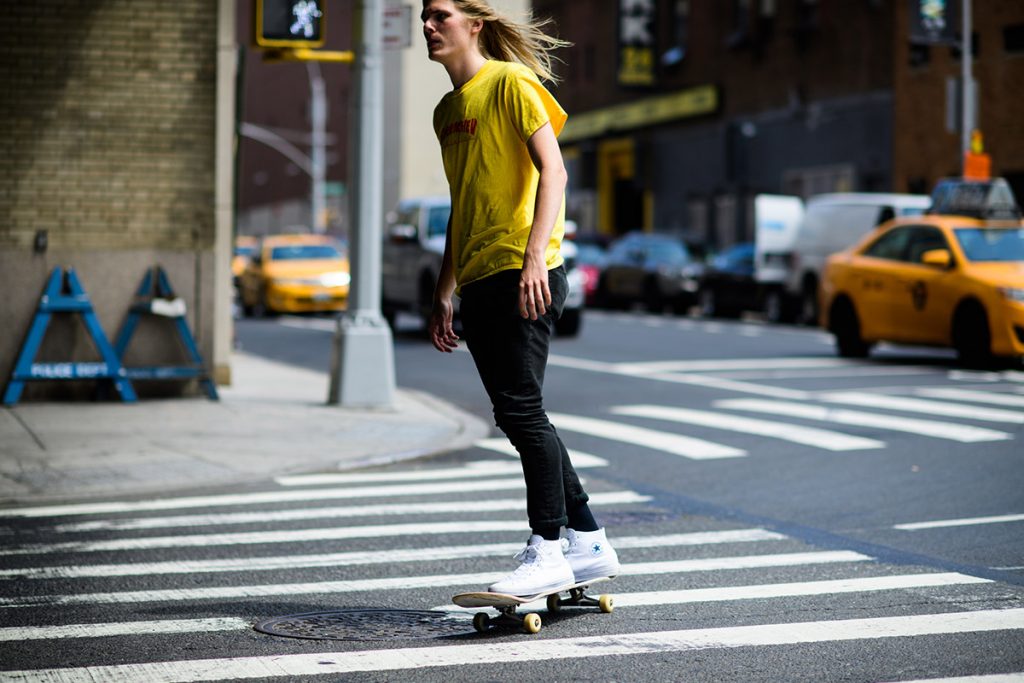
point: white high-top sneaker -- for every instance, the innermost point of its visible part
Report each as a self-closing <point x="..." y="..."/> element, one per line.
<point x="590" y="555"/>
<point x="542" y="568"/>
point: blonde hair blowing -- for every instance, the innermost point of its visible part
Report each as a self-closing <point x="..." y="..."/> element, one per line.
<point x="507" y="40"/>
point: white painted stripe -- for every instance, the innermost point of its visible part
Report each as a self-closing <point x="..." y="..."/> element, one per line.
<point x="537" y="649"/>
<point x="264" y="517"/>
<point x="686" y="446"/>
<point x="472" y="470"/>
<point x="855" y="371"/>
<point x="728" y="365"/>
<point x="808" y="436"/>
<point x="260" y="498"/>
<point x="264" y="537"/>
<point x="363" y="557"/>
<point x="920" y="405"/>
<point x="414" y="582"/>
<point x="967" y="521"/>
<point x="579" y="458"/>
<point x="983" y="678"/>
<point x="780" y="590"/>
<point x="807" y="411"/>
<point x="122" y="628"/>
<point x="992" y="397"/>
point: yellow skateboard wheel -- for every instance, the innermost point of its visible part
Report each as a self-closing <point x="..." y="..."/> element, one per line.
<point x="531" y="622"/>
<point x="606" y="604"/>
<point x="481" y="621"/>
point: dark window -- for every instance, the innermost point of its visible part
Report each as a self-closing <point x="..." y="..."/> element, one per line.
<point x="1013" y="38"/>
<point x="924" y="238"/>
<point x="920" y="54"/>
<point x="892" y="245"/>
<point x="954" y="50"/>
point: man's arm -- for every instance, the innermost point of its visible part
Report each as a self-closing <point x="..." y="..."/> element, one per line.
<point x="534" y="293"/>
<point x="442" y="335"/>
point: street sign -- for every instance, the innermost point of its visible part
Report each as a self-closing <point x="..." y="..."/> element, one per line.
<point x="290" y="23"/>
<point x="933" y="22"/>
<point x="397" y="27"/>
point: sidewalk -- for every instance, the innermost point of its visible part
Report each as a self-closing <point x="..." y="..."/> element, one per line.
<point x="272" y="421"/>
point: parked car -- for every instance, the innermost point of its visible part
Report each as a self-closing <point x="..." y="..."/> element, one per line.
<point x="411" y="260"/>
<point x="651" y="269"/>
<point x="295" y="274"/>
<point x="727" y="286"/>
<point x="590" y="260"/>
<point x="953" y="277"/>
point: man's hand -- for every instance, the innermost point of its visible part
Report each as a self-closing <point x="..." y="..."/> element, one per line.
<point x="442" y="335"/>
<point x="534" y="292"/>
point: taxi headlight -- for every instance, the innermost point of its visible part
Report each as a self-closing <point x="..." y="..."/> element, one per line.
<point x="336" y="279"/>
<point x="1013" y="294"/>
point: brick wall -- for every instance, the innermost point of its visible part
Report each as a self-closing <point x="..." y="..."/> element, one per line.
<point x="108" y="115"/>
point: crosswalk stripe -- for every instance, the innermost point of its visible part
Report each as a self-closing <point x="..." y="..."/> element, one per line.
<point x="121" y="628"/>
<point x="920" y="405"/>
<point x="579" y="458"/>
<point x="967" y="521"/>
<point x="413" y="582"/>
<point x="540" y="649"/>
<point x="807" y="411"/>
<point x="730" y="364"/>
<point x="262" y="497"/>
<point x="472" y="470"/>
<point x="778" y="590"/>
<point x="808" y="436"/>
<point x="688" y="447"/>
<point x="969" y="395"/>
<point x="1016" y="677"/>
<point x="387" y="509"/>
<point x="363" y="557"/>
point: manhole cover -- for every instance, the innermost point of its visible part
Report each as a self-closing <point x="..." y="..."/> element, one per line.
<point x="366" y="624"/>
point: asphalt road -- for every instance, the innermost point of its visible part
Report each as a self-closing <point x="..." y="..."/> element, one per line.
<point x="783" y="515"/>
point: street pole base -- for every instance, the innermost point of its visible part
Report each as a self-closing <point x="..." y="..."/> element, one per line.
<point x="363" y="365"/>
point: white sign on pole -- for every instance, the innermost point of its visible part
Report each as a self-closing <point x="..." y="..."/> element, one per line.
<point x="397" y="27"/>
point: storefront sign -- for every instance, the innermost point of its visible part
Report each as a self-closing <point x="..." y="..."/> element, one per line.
<point x="637" y="42"/>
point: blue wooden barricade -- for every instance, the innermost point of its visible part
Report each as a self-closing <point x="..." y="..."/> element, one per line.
<point x="155" y="297"/>
<point x="64" y="294"/>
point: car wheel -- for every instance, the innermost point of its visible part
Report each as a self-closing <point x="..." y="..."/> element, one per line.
<point x="809" y="304"/>
<point x="776" y="308"/>
<point x="845" y="326"/>
<point x="972" y="338"/>
<point x="569" y="324"/>
<point x="707" y="303"/>
<point x="654" y="302"/>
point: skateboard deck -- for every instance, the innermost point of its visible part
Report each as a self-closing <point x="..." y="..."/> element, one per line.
<point x="506" y="605"/>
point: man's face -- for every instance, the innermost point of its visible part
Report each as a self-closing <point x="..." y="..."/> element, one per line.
<point x="449" y="33"/>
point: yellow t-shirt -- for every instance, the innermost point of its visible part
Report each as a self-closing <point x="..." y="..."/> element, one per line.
<point x="483" y="128"/>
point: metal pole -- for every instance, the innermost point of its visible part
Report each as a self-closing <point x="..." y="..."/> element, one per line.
<point x="362" y="364"/>
<point x="317" y="154"/>
<point x="967" y="85"/>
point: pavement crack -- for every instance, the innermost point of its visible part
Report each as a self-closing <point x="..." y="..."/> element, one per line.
<point x="24" y="425"/>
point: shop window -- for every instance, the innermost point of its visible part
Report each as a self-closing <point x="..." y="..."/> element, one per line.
<point x="920" y="55"/>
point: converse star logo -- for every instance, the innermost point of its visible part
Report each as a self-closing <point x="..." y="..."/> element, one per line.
<point x="596" y="548"/>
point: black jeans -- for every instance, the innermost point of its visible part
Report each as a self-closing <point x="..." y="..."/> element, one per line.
<point x="511" y="354"/>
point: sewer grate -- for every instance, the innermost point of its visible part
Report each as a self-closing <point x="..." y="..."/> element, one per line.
<point x="366" y="624"/>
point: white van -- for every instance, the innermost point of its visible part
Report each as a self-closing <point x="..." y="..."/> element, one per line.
<point x="789" y="264"/>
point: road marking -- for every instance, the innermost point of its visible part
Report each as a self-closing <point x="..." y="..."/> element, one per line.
<point x="808" y="436"/>
<point x="263" y="537"/>
<point x="122" y="628"/>
<point x="579" y="459"/>
<point x="262" y="497"/>
<point x="521" y="650"/>
<point x="414" y="582"/>
<point x="806" y="411"/>
<point x="853" y="371"/>
<point x="472" y="470"/>
<point x="778" y="590"/>
<point x="363" y="557"/>
<point x="984" y="678"/>
<point x="919" y="405"/>
<point x="728" y="365"/>
<point x="968" y="395"/>
<point x="686" y="446"/>
<point x="494" y="505"/>
<point x="967" y="521"/>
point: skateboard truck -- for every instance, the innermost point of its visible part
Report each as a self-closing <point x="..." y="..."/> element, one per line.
<point x="506" y="606"/>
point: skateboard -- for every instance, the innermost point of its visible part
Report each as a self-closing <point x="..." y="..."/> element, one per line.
<point x="506" y="605"/>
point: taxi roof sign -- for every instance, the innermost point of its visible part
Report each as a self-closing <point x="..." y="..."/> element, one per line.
<point x="290" y="23"/>
<point x="983" y="199"/>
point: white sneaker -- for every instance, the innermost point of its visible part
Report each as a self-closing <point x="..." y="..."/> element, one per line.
<point x="542" y="568"/>
<point x="590" y="555"/>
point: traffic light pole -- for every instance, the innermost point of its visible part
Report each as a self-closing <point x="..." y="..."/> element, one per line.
<point x="362" y="362"/>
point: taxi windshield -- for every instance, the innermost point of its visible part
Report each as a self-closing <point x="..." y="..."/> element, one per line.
<point x="991" y="244"/>
<point x="304" y="251"/>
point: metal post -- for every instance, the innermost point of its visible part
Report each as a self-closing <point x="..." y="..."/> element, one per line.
<point x="362" y="363"/>
<point x="967" y="84"/>
<point x="317" y="155"/>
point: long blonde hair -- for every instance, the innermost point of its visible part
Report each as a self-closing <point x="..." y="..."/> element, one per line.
<point x="508" y="40"/>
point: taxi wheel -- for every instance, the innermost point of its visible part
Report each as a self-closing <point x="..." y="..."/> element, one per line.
<point x="846" y="328"/>
<point x="971" y="336"/>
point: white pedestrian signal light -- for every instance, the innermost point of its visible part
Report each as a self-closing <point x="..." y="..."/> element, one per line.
<point x="290" y="23"/>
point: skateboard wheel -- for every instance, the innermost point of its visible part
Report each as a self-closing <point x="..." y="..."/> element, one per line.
<point x="554" y="603"/>
<point x="481" y="621"/>
<point x="606" y="603"/>
<point x="531" y="622"/>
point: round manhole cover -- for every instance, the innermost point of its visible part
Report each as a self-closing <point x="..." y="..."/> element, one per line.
<point x="366" y="624"/>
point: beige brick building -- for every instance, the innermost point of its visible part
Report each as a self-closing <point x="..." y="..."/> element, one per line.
<point x="117" y="156"/>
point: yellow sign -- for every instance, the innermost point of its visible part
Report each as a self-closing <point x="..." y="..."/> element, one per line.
<point x="646" y="112"/>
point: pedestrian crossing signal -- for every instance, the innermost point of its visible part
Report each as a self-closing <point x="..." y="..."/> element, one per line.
<point x="290" y="23"/>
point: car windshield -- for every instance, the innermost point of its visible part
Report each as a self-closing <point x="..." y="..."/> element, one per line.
<point x="437" y="220"/>
<point x="296" y="252"/>
<point x="991" y="244"/>
<point x="245" y="251"/>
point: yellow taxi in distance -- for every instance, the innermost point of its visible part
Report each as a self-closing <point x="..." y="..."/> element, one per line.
<point x="953" y="277"/>
<point x="295" y="274"/>
<point x="245" y="247"/>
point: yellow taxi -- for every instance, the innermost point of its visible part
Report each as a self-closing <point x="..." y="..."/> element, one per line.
<point x="295" y="274"/>
<point x="245" y="247"/>
<point x="953" y="277"/>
